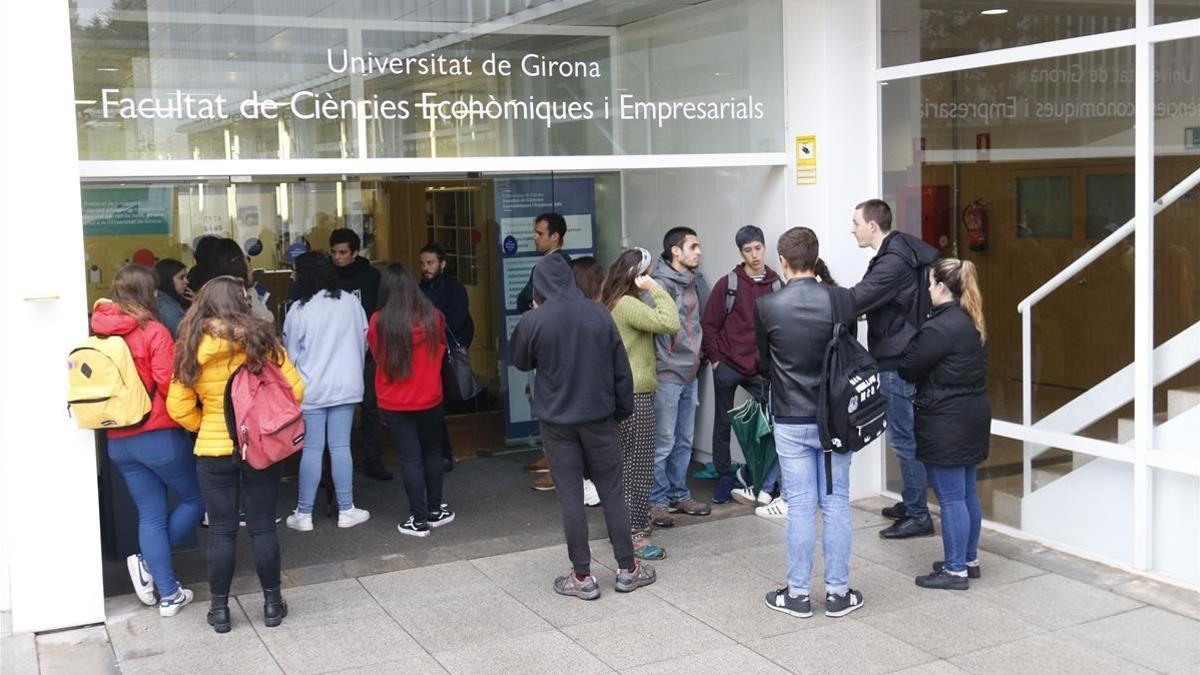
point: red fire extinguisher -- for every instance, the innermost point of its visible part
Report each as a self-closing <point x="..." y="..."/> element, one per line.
<point x="974" y="218"/>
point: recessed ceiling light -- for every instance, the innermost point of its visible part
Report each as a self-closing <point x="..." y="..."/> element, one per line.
<point x="108" y="70"/>
<point x="994" y="12"/>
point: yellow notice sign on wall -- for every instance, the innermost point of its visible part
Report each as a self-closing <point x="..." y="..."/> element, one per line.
<point x="806" y="160"/>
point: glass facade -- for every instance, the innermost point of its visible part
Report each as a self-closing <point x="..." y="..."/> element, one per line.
<point x="165" y="79"/>
<point x="1025" y="168"/>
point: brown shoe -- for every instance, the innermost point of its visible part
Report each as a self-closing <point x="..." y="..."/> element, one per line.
<point x="543" y="483"/>
<point x="661" y="517"/>
<point x="691" y="507"/>
<point x="539" y="465"/>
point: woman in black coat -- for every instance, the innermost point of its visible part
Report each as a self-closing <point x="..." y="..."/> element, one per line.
<point x="947" y="360"/>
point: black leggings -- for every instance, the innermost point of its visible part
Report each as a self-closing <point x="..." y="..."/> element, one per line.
<point x="417" y="436"/>
<point x="220" y="482"/>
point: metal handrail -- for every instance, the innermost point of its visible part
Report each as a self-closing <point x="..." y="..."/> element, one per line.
<point x="1025" y="307"/>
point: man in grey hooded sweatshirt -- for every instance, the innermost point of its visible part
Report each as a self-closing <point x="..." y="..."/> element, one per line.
<point x="678" y="363"/>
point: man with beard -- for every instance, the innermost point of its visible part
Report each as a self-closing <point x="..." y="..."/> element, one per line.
<point x="449" y="296"/>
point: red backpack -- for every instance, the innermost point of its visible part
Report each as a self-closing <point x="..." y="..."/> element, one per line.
<point x="264" y="421"/>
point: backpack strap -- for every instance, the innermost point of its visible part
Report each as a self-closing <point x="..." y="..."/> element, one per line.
<point x="731" y="286"/>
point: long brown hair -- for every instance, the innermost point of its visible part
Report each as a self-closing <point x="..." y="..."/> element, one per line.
<point x="962" y="279"/>
<point x="619" y="281"/>
<point x="402" y="308"/>
<point x="589" y="276"/>
<point x="133" y="290"/>
<point x="222" y="309"/>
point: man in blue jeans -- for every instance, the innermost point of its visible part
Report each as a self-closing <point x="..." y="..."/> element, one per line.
<point x="678" y="363"/>
<point x="891" y="295"/>
<point x="792" y="327"/>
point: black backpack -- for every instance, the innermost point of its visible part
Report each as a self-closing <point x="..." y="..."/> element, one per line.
<point x="851" y="405"/>
<point x="731" y="286"/>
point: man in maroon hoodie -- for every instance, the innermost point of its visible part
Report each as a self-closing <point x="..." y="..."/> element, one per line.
<point x="728" y="342"/>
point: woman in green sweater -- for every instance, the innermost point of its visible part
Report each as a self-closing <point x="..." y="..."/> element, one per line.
<point x="639" y="321"/>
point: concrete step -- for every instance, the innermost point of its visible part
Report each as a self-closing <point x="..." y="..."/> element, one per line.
<point x="1174" y="433"/>
<point x="1182" y="399"/>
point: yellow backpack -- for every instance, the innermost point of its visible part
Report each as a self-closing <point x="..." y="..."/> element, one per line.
<point x="104" y="389"/>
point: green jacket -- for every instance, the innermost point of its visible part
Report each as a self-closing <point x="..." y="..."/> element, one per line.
<point x="638" y="323"/>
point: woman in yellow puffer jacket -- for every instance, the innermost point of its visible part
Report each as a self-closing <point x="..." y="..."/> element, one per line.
<point x="217" y="335"/>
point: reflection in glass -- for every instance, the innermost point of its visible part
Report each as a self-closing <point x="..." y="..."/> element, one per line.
<point x="158" y="79"/>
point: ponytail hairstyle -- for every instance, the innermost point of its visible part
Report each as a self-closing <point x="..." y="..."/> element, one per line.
<point x="822" y="272"/>
<point x="133" y="290"/>
<point x="962" y="279"/>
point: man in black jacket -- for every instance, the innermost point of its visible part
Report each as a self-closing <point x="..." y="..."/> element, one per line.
<point x="792" y="326"/>
<point x="357" y="276"/>
<point x="579" y="395"/>
<point x="892" y="296"/>
<point x="450" y="298"/>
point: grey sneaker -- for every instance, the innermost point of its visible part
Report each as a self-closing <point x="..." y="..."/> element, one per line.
<point x="782" y="601"/>
<point x="631" y="580"/>
<point x="691" y="507"/>
<point x="569" y="584"/>
<point x="841" y="605"/>
<point x="661" y="517"/>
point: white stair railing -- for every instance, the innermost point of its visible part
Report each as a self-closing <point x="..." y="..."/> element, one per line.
<point x="1025" y="307"/>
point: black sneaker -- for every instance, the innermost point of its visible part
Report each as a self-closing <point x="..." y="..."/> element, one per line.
<point x="442" y="516"/>
<point x="973" y="571"/>
<point x="908" y="528"/>
<point x="896" y="511"/>
<point x="841" y="605"/>
<point x="781" y="601"/>
<point x="413" y="529"/>
<point x="943" y="580"/>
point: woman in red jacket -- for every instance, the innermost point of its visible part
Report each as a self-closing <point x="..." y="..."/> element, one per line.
<point x="155" y="456"/>
<point x="406" y="336"/>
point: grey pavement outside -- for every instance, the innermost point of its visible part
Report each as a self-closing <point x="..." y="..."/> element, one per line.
<point x="1034" y="610"/>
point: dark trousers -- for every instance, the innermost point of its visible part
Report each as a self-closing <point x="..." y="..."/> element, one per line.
<point x="221" y="481"/>
<point x="372" y="427"/>
<point x="570" y="448"/>
<point x="417" y="436"/>
<point x="726" y="380"/>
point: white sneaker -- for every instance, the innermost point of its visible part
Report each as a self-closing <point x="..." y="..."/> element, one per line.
<point x="349" y="518"/>
<point x="743" y="495"/>
<point x="303" y="521"/>
<point x="170" y="606"/>
<point x="143" y="583"/>
<point x="591" y="497"/>
<point x="764" y="498"/>
<point x="777" y="508"/>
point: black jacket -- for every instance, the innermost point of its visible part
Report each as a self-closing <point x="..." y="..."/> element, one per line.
<point x="888" y="292"/>
<point x="948" y="363"/>
<point x="451" y="298"/>
<point x="362" y="280"/>
<point x="793" y="325"/>
<point x="583" y="372"/>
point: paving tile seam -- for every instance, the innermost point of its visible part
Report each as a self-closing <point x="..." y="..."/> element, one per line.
<point x="258" y="635"/>
<point x="399" y="625"/>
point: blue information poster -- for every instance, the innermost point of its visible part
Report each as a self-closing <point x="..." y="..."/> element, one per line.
<point x="518" y="202"/>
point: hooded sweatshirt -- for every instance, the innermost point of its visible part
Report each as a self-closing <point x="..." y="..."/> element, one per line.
<point x="327" y="340"/>
<point x="201" y="408"/>
<point x="583" y="372"/>
<point x="678" y="355"/>
<point x="361" y="280"/>
<point x="887" y="293"/>
<point x="729" y="338"/>
<point x="153" y="353"/>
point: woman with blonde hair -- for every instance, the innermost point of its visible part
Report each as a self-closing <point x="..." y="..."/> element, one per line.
<point x="638" y="322"/>
<point x="218" y="335"/>
<point x="154" y="457"/>
<point x="947" y="360"/>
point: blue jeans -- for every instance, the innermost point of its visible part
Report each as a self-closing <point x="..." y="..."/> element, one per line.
<point x="771" y="479"/>
<point x="333" y="422"/>
<point x="961" y="514"/>
<point x="900" y="435"/>
<point x="152" y="463"/>
<point x="803" y="463"/>
<point x="675" y="411"/>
